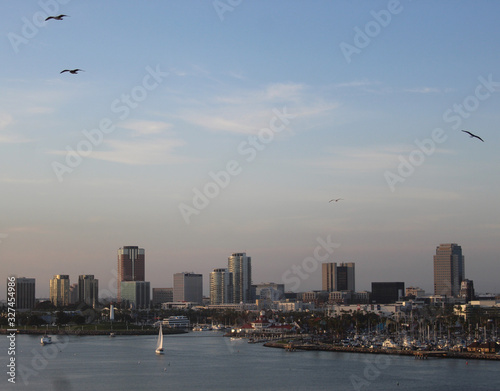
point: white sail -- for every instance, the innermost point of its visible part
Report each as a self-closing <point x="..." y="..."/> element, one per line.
<point x="159" y="343"/>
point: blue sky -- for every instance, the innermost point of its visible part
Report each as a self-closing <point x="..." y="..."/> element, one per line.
<point x="288" y="103"/>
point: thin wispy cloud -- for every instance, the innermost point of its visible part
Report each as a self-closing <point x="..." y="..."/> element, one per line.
<point x="8" y="136"/>
<point x="224" y="123"/>
<point x="146" y="152"/>
<point x="363" y="87"/>
<point x="247" y="111"/>
<point x="285" y="91"/>
<point x="364" y="159"/>
<point x="357" y="84"/>
<point x="35" y="110"/>
<point x="5" y="120"/>
<point x="11" y="138"/>
<point x="145" y="127"/>
<point x="238" y="75"/>
<point x="425" y="90"/>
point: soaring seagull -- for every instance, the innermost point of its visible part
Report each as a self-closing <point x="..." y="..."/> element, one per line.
<point x="73" y="71"/>
<point x="58" y="17"/>
<point x="336" y="199"/>
<point x="472" y="135"/>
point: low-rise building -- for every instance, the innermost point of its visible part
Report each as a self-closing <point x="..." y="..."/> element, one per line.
<point x="485" y="347"/>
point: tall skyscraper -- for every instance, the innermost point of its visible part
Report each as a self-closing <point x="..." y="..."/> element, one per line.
<point x="88" y="290"/>
<point x="329" y="277"/>
<point x="59" y="290"/>
<point x="136" y="294"/>
<point x="24" y="293"/>
<point x="221" y="287"/>
<point x="449" y="269"/>
<point x="188" y="287"/>
<point x="338" y="277"/>
<point x="240" y="265"/>
<point x="131" y="265"/>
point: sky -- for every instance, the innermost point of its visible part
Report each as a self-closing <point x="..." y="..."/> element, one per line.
<point x="202" y="128"/>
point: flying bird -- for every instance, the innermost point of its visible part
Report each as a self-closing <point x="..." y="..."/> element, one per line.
<point x="73" y="71"/>
<point x="336" y="199"/>
<point x="58" y="17"/>
<point x="472" y="135"/>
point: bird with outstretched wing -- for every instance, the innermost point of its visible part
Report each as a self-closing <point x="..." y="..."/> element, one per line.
<point x="473" y="135"/>
<point x="73" y="71"/>
<point x="58" y="17"/>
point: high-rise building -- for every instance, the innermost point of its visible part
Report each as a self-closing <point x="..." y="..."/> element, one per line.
<point x="345" y="277"/>
<point x="221" y="287"/>
<point x="240" y="265"/>
<point x="136" y="294"/>
<point x="88" y="290"/>
<point x="467" y="290"/>
<point x="449" y="269"/>
<point x="329" y="277"/>
<point x="24" y="293"/>
<point x="162" y="295"/>
<point x="59" y="290"/>
<point x="131" y="265"/>
<point x="188" y="287"/>
<point x="338" y="277"/>
<point x="387" y="292"/>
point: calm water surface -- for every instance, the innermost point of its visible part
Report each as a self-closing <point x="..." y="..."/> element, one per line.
<point x="208" y="361"/>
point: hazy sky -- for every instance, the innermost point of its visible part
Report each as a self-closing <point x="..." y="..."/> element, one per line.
<point x="203" y="128"/>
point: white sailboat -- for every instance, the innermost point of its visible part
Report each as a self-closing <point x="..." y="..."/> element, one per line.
<point x="159" y="343"/>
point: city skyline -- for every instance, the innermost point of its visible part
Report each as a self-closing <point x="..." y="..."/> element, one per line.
<point x="197" y="132"/>
<point x="335" y="277"/>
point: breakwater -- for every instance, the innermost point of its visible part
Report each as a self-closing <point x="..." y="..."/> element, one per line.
<point x="293" y="346"/>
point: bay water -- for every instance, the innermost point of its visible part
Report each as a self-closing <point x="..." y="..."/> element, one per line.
<point x="208" y="361"/>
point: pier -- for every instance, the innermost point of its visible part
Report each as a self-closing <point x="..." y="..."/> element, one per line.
<point x="417" y="354"/>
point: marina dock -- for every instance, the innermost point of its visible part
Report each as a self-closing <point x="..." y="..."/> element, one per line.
<point x="418" y="354"/>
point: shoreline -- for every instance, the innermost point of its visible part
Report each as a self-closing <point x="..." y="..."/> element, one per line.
<point x="418" y="354"/>
<point x="166" y="331"/>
